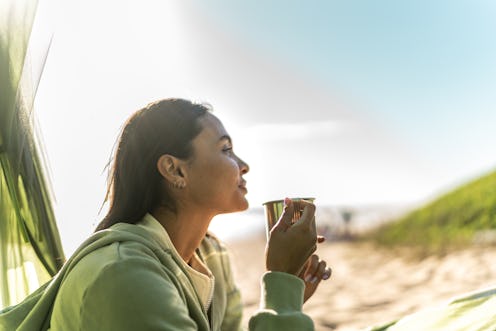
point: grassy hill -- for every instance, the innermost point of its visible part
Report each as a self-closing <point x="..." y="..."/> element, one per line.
<point x="450" y="222"/>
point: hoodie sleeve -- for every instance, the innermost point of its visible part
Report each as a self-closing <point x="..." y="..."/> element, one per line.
<point x="281" y="304"/>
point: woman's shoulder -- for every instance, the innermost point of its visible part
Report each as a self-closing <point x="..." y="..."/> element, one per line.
<point x="120" y="244"/>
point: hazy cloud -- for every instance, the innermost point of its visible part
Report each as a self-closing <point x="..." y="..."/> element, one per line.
<point x="293" y="131"/>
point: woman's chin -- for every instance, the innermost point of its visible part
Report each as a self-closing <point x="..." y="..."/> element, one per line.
<point x="240" y="206"/>
<point x="245" y="204"/>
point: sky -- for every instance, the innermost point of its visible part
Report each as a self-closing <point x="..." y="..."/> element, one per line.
<point x="350" y="102"/>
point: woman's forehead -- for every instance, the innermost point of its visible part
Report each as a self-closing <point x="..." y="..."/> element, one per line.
<point x="212" y="127"/>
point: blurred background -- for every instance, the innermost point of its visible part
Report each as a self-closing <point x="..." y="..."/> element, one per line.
<point x="356" y="103"/>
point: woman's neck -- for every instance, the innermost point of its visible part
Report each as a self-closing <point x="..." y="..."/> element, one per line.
<point x="185" y="229"/>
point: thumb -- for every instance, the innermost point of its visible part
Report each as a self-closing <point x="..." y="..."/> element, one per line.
<point x="284" y="221"/>
<point x="308" y="216"/>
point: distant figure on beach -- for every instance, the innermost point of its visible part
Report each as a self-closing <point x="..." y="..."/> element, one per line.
<point x="151" y="263"/>
<point x="347" y="218"/>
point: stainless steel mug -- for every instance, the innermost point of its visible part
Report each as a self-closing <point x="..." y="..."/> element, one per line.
<point x="273" y="211"/>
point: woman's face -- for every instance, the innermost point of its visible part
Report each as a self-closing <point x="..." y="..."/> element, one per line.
<point x="215" y="173"/>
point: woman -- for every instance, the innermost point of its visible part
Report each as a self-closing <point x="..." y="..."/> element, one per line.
<point x="152" y="265"/>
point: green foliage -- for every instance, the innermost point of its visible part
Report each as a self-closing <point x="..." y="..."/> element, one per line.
<point x="30" y="248"/>
<point x="450" y="222"/>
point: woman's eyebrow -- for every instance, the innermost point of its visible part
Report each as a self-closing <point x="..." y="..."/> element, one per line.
<point x="226" y="137"/>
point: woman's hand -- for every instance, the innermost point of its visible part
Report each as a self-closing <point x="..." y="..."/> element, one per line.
<point x="290" y="245"/>
<point x="314" y="272"/>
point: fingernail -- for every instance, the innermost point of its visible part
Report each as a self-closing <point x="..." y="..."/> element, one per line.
<point x="325" y="276"/>
<point x="314" y="280"/>
<point x="287" y="201"/>
<point x="308" y="278"/>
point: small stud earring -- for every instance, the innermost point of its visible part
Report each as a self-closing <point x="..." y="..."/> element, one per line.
<point x="179" y="185"/>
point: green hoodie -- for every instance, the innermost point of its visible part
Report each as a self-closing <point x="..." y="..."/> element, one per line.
<point x="130" y="277"/>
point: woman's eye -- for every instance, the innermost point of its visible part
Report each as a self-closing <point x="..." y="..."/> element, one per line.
<point x="227" y="149"/>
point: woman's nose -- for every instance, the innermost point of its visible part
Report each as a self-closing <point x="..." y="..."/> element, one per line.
<point x="243" y="166"/>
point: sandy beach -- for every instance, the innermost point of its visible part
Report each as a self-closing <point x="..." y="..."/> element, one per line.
<point x="370" y="286"/>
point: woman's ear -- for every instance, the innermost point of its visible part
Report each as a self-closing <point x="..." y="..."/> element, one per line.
<point x="170" y="168"/>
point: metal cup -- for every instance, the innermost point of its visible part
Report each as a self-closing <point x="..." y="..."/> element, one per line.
<point x="273" y="211"/>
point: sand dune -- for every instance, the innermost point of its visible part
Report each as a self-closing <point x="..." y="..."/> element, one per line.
<point x="371" y="286"/>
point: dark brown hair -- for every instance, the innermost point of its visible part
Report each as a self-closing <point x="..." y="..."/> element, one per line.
<point x="135" y="185"/>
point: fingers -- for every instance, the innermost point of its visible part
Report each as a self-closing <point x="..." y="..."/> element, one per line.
<point x="317" y="270"/>
<point x="327" y="273"/>
<point x="284" y="221"/>
<point x="312" y="267"/>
